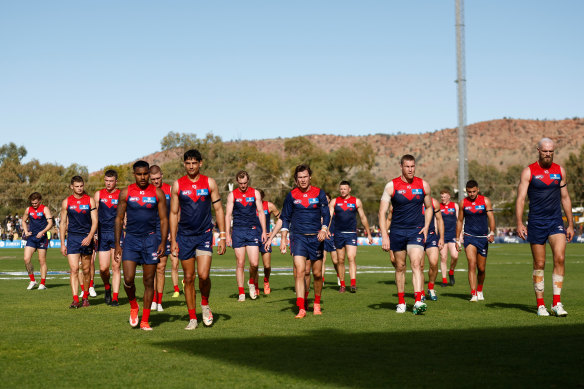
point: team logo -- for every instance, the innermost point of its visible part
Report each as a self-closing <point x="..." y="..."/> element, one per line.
<point x="297" y="201"/>
<point x="134" y="199"/>
<point x="186" y="193"/>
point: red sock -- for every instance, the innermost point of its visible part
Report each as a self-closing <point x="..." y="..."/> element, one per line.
<point x="85" y="294"/>
<point x="43" y="281"/>
<point x="401" y="298"/>
<point x="343" y="283"/>
<point x="204" y="300"/>
<point x="159" y="298"/>
<point x="556" y="300"/>
<point x="317" y="299"/>
<point x="266" y="279"/>
<point x="31" y="276"/>
<point x="91" y="283"/>
<point x="241" y="290"/>
<point x="451" y="272"/>
<point x="430" y="285"/>
<point x="473" y="292"/>
<point x="155" y="297"/>
<point x="250" y="282"/>
<point x="115" y="297"/>
<point x="444" y="281"/>
<point x="193" y="314"/>
<point x="479" y="288"/>
<point x="107" y="286"/>
<point x="540" y="302"/>
<point x="176" y="289"/>
<point x="82" y="287"/>
<point x="145" y="315"/>
<point x="300" y="302"/>
<point x="75" y="298"/>
<point x="134" y="304"/>
<point x="353" y="282"/>
<point x="418" y="296"/>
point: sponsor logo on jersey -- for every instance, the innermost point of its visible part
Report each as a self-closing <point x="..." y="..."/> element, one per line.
<point x="555" y="176"/>
<point x="417" y="191"/>
<point x="312" y="201"/>
<point x="84" y="207"/>
<point x="149" y="200"/>
<point x="202" y="192"/>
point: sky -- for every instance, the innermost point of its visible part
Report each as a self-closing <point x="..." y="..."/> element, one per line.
<point x="102" y="82"/>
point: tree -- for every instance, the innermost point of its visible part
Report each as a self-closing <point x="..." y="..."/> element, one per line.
<point x="12" y="152"/>
<point x="575" y="174"/>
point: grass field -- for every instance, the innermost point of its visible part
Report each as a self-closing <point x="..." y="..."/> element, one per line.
<point x="359" y="341"/>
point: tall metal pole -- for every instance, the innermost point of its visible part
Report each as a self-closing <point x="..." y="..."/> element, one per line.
<point x="461" y="89"/>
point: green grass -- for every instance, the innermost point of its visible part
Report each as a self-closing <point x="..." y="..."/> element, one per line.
<point x="359" y="341"/>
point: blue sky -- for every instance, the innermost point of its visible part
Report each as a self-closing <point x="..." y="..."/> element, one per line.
<point x="100" y="82"/>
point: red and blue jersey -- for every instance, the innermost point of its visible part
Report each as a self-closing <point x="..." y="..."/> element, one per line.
<point x="306" y="212"/>
<point x="476" y="222"/>
<point x="266" y="215"/>
<point x="545" y="199"/>
<point x="195" y="205"/>
<point x="166" y="189"/>
<point x="37" y="219"/>
<point x="432" y="226"/>
<point x="407" y="201"/>
<point x="141" y="210"/>
<point x="345" y="214"/>
<point x="244" y="208"/>
<point x="107" y="210"/>
<point x="79" y="214"/>
<point x="449" y="217"/>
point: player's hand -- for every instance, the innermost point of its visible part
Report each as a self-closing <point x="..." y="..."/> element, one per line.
<point x="174" y="248"/>
<point x="27" y="234"/>
<point x="87" y="240"/>
<point x="161" y="250"/>
<point x="118" y="254"/>
<point x="522" y="231"/>
<point x="569" y="233"/>
<point x="267" y="244"/>
<point x="322" y="235"/>
<point x="283" y="247"/>
<point x="264" y="237"/>
<point x="228" y="240"/>
<point x="221" y="247"/>
<point x="385" y="243"/>
<point x="64" y="250"/>
<point x="440" y="243"/>
<point x="39" y="235"/>
<point x="491" y="237"/>
<point x="458" y="244"/>
<point x="370" y="239"/>
<point x="424" y="231"/>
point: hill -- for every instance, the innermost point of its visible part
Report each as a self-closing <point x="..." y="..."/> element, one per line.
<point x="501" y="143"/>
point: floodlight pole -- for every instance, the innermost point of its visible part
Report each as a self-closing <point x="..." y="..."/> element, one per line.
<point x="461" y="91"/>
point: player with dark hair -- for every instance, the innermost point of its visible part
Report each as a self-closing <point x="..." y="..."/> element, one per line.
<point x="344" y="210"/>
<point x="266" y="253"/>
<point x="156" y="180"/>
<point x="106" y="201"/>
<point x="449" y="211"/>
<point x="408" y="195"/>
<point x="142" y="204"/>
<point x="36" y="221"/>
<point x="306" y="213"/>
<point x="192" y="236"/>
<point x="78" y="224"/>
<point x="479" y="230"/>
<point x="244" y="204"/>
<point x="545" y="184"/>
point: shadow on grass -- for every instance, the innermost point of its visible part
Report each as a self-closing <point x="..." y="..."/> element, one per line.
<point x="497" y="357"/>
<point x="522" y="307"/>
<point x="462" y="296"/>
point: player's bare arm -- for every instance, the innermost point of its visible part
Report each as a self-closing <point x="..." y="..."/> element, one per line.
<point x="173" y="219"/>
<point x="439" y="223"/>
<point x="520" y="203"/>
<point x="63" y="227"/>
<point x="428" y="204"/>
<point x="459" y="224"/>
<point x="260" y="209"/>
<point x="364" y="221"/>
<point x="219" y="214"/>
<point x="567" y="205"/>
<point x="491" y="219"/>
<point x="89" y="238"/>
<point x="119" y="223"/>
<point x="383" y="208"/>
<point x="228" y="218"/>
<point x="162" y="214"/>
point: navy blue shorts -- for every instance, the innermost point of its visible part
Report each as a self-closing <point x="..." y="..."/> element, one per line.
<point x="242" y="237"/>
<point x="105" y="241"/>
<point x="482" y="244"/>
<point x="538" y="231"/>
<point x="167" y="251"/>
<point x="141" y="249"/>
<point x="263" y="249"/>
<point x="189" y="245"/>
<point x="399" y="240"/>
<point x="329" y="244"/>
<point x="431" y="241"/>
<point x="307" y="246"/>
<point x="343" y="239"/>
<point x="37" y="243"/>
<point x="74" y="245"/>
<point x="449" y="237"/>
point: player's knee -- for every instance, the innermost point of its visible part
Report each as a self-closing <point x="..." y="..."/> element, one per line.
<point x="189" y="279"/>
<point x="129" y="283"/>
